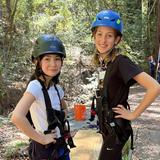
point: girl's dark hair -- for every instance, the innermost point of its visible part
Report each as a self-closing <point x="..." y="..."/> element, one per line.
<point x="38" y="72"/>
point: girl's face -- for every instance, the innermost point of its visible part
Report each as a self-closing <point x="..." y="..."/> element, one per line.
<point x="105" y="38"/>
<point x="51" y="64"/>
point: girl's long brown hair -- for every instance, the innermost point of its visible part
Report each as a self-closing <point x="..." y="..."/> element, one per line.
<point x="109" y="57"/>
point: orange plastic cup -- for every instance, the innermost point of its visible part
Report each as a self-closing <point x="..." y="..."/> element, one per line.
<point x="79" y="112"/>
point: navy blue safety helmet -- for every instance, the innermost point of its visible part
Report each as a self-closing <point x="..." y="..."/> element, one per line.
<point x="108" y="18"/>
<point x="48" y="43"/>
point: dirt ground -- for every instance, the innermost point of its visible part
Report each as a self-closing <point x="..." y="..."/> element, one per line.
<point x="146" y="131"/>
<point x="146" y="128"/>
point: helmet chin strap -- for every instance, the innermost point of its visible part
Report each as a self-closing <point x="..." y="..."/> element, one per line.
<point x="107" y="52"/>
<point x="111" y="49"/>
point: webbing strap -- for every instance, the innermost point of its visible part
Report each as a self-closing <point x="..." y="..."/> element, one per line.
<point x="58" y="95"/>
<point x="51" y="116"/>
<point x="105" y="97"/>
<point x="49" y="109"/>
<point x="132" y="139"/>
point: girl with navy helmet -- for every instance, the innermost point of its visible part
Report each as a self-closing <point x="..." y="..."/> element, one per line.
<point x="117" y="73"/>
<point x="48" y="55"/>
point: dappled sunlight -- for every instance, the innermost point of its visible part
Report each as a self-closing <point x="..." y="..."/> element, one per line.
<point x="88" y="144"/>
<point x="146" y="127"/>
<point x="150" y="151"/>
<point x="153" y="112"/>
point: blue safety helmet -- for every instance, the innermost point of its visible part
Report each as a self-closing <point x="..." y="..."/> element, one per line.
<point x="108" y="18"/>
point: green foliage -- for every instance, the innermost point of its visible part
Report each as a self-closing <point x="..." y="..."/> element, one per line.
<point x="2" y="93"/>
<point x="73" y="18"/>
<point x="126" y="150"/>
<point x="71" y="21"/>
<point x="13" y="148"/>
<point x="3" y="120"/>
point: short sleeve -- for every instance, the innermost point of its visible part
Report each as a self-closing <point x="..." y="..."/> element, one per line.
<point x="34" y="88"/>
<point x="128" y="70"/>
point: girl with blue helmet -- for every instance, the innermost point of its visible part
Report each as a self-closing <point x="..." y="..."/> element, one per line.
<point x="117" y="73"/>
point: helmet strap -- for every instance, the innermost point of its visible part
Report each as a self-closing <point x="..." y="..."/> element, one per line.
<point x="108" y="57"/>
<point x="107" y="53"/>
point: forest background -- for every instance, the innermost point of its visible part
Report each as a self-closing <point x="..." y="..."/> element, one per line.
<point x="21" y="21"/>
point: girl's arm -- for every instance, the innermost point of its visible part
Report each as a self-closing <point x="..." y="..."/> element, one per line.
<point x="20" y="120"/>
<point x="152" y="91"/>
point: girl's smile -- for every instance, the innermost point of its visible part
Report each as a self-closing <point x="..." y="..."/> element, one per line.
<point x="105" y="38"/>
<point x="51" y="64"/>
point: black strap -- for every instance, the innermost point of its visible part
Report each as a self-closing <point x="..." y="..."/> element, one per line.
<point x="54" y="121"/>
<point x="132" y="136"/>
<point x="102" y="105"/>
<point x="49" y="109"/>
<point x="105" y="105"/>
<point x="104" y="108"/>
<point x="51" y="115"/>
<point x="53" y="118"/>
<point x="105" y="88"/>
<point x="58" y="96"/>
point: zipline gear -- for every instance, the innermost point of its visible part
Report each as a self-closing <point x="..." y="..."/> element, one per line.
<point x="121" y="126"/>
<point x="48" y="44"/>
<point x="55" y="119"/>
<point x="115" y="131"/>
<point x="93" y="109"/>
<point x="108" y="18"/>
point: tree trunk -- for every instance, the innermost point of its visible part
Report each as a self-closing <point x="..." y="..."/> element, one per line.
<point x="0" y="10"/>
<point x="157" y="45"/>
<point x="144" y="39"/>
<point x="8" y="33"/>
<point x="158" y="23"/>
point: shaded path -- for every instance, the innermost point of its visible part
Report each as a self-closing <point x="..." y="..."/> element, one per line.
<point x="146" y="128"/>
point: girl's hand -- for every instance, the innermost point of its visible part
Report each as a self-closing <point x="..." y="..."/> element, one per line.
<point x="49" y="138"/>
<point x="123" y="113"/>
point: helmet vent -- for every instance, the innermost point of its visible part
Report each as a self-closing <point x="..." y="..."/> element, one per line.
<point x="108" y="18"/>
<point x="112" y="20"/>
<point x="99" y="18"/>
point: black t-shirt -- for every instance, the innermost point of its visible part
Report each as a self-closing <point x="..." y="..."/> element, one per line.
<point x="119" y="75"/>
